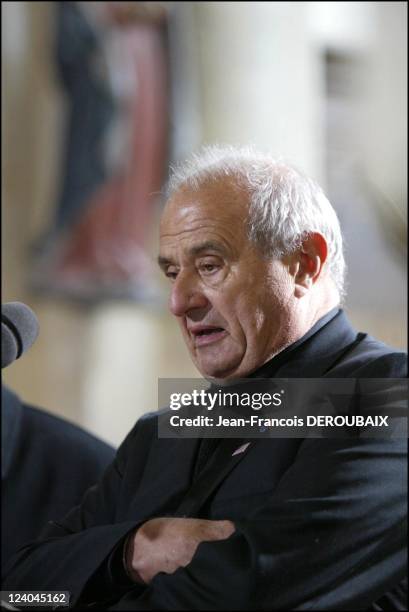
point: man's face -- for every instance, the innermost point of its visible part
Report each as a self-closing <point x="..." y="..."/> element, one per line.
<point x="234" y="307"/>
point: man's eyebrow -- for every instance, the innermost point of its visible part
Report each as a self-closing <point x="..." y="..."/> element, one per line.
<point x="163" y="261"/>
<point x="209" y="245"/>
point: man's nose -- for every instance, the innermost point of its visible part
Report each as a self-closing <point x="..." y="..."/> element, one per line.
<point x="186" y="295"/>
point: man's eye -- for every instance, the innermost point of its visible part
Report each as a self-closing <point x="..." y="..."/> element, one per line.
<point x="171" y="274"/>
<point x="208" y="268"/>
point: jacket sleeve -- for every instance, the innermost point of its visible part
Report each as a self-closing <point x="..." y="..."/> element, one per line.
<point x="69" y="552"/>
<point x="330" y="537"/>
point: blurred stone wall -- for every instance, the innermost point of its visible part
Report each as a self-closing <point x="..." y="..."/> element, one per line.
<point x="262" y="80"/>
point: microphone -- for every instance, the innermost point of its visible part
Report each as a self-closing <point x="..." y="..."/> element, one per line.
<point x="19" y="329"/>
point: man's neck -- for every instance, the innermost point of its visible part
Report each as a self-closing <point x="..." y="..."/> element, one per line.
<point x="308" y="313"/>
<point x="320" y="302"/>
<point x="285" y="353"/>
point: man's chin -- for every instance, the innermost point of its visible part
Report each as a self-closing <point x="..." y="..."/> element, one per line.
<point x="219" y="371"/>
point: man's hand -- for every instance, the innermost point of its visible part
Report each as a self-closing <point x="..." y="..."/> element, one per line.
<point x="165" y="544"/>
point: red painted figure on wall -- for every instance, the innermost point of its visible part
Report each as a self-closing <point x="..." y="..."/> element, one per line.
<point x="114" y="68"/>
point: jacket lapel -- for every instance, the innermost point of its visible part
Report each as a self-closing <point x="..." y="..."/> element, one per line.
<point x="228" y="454"/>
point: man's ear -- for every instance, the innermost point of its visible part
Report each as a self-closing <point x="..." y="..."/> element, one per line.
<point x="308" y="262"/>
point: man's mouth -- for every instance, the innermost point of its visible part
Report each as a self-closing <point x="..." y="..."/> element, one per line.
<point x="206" y="334"/>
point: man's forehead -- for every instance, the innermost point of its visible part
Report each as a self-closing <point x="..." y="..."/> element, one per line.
<point x="219" y="200"/>
<point x="199" y="220"/>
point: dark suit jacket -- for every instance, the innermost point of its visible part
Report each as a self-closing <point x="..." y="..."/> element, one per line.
<point x="47" y="465"/>
<point x="319" y="522"/>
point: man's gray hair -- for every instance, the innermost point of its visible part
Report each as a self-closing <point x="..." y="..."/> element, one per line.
<point x="285" y="205"/>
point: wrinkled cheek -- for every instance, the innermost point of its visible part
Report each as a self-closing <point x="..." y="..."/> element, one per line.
<point x="259" y="320"/>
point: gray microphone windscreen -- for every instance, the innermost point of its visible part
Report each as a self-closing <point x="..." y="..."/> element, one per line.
<point x="19" y="329"/>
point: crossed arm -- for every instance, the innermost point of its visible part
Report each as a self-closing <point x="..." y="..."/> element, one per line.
<point x="329" y="536"/>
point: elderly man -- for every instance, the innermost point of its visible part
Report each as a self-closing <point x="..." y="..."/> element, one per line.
<point x="253" y="253"/>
